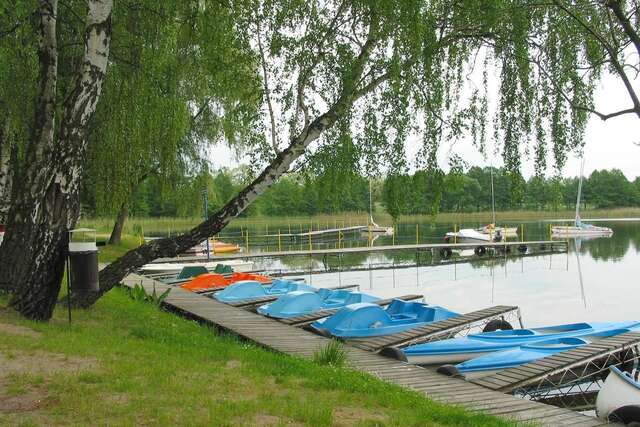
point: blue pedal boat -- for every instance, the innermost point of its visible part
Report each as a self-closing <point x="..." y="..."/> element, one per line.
<point x="370" y="320"/>
<point x="458" y="350"/>
<point x="494" y="362"/>
<point x="299" y="303"/>
<point x="250" y="289"/>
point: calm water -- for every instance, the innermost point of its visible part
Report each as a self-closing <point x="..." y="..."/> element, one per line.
<point x="547" y="288"/>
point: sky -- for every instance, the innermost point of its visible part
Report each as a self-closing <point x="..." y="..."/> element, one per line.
<point x="608" y="144"/>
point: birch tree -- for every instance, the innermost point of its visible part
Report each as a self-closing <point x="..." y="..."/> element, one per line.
<point x="391" y="69"/>
<point x="44" y="202"/>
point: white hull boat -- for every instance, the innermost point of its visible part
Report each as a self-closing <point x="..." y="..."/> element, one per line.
<point x="582" y="230"/>
<point x="620" y="390"/>
<point x="467" y="235"/>
<point x="579" y="228"/>
<point x="504" y="231"/>
<point x="176" y="267"/>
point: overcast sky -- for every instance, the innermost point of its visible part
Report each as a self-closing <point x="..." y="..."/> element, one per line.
<point x="608" y="145"/>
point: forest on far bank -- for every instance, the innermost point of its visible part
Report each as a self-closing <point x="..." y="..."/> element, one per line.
<point x="418" y="193"/>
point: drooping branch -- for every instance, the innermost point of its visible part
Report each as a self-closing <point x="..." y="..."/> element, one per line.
<point x="626" y="25"/>
<point x="267" y="92"/>
<point x="170" y="247"/>
<point x="613" y="56"/>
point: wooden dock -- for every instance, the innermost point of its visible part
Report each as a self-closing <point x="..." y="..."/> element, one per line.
<point x="299" y="342"/>
<point x="548" y="245"/>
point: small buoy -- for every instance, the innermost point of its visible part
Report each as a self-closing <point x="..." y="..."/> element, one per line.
<point x="480" y="250"/>
<point x="629" y="415"/>
<point x="450" y="371"/>
<point x="393" y="353"/>
<point x="497" y="324"/>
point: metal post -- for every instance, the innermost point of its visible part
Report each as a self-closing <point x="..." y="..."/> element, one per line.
<point x="205" y="202"/>
<point x="340" y="269"/>
<point x="417" y="270"/>
<point x="246" y="238"/>
<point x="69" y="288"/>
<point x="279" y="241"/>
<point x="417" y="235"/>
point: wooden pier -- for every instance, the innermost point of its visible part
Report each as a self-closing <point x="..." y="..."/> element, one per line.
<point x="547" y="245"/>
<point x="299" y="342"/>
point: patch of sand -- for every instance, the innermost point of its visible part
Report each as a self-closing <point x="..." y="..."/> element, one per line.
<point x="10" y="329"/>
<point x="351" y="416"/>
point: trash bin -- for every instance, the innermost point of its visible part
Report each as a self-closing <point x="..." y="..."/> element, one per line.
<point x="83" y="261"/>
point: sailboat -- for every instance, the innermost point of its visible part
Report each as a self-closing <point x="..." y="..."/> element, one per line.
<point x="488" y="233"/>
<point x="372" y="227"/>
<point x="580" y="228"/>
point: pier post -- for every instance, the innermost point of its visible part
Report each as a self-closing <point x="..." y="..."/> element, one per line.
<point x="247" y="239"/>
<point x="279" y="241"/>
<point x="417" y="235"/>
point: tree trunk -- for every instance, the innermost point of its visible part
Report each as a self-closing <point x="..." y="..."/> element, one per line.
<point x="116" y="233"/>
<point x="46" y="204"/>
<point x="7" y="159"/>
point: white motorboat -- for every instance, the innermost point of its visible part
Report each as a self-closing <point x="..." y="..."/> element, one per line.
<point x="579" y="228"/>
<point x="619" y="397"/>
<point x="469" y="235"/>
<point x="175" y="267"/>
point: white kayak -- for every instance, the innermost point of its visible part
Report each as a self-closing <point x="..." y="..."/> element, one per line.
<point x="620" y="390"/>
<point x="175" y="267"/>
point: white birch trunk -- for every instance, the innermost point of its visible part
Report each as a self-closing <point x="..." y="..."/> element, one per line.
<point x="52" y="184"/>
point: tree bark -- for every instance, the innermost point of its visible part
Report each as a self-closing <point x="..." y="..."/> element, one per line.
<point x="7" y="159"/>
<point x="46" y="204"/>
<point x="116" y="233"/>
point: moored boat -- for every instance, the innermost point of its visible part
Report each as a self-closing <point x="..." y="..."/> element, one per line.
<point x="299" y="303"/>
<point x="250" y="289"/>
<point x="218" y="281"/>
<point x="456" y="350"/>
<point x="175" y="267"/>
<point x="468" y="235"/>
<point x="494" y="362"/>
<point x="368" y="320"/>
<point x="619" y="398"/>
<point x="492" y="230"/>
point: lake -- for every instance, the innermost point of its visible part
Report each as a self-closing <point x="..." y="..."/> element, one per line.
<point x="547" y="288"/>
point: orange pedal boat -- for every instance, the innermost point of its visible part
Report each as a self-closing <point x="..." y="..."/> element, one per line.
<point x="210" y="281"/>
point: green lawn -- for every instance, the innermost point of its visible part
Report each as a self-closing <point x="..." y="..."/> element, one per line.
<point x="128" y="363"/>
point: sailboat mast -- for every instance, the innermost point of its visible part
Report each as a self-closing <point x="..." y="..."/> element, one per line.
<point x="579" y="193"/>
<point x="370" y="204"/>
<point x="493" y="200"/>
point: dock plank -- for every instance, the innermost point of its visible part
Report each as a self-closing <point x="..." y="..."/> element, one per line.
<point x="299" y="342"/>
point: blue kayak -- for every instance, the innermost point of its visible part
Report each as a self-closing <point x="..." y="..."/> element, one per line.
<point x="299" y="303"/>
<point x="369" y="320"/>
<point x="249" y="289"/>
<point x="458" y="350"/>
<point x="492" y="362"/>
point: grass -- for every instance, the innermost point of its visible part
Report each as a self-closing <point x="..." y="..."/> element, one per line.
<point x="333" y="354"/>
<point x="125" y="362"/>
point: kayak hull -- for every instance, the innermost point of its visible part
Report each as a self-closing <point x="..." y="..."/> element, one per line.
<point x="250" y="289"/>
<point x="456" y="350"/>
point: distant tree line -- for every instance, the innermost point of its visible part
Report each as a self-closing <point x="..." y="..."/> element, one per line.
<point x="419" y="193"/>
